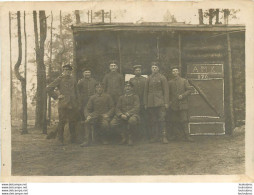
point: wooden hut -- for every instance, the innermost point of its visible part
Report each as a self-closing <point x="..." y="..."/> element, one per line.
<point x="211" y="57"/>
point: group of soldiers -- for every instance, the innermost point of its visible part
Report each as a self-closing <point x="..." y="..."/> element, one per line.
<point x="140" y="106"/>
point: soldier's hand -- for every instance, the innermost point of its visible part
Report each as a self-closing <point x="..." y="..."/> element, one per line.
<point x="180" y="97"/>
<point x="166" y="106"/>
<point x="105" y="116"/>
<point x="124" y="117"/>
<point x="88" y="118"/>
<point x="60" y="96"/>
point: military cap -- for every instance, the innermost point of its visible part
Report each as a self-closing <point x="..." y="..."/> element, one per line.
<point x="99" y="84"/>
<point x="67" y="66"/>
<point x="155" y="63"/>
<point x="137" y="66"/>
<point x="128" y="83"/>
<point x="113" y="62"/>
<point x="86" y="69"/>
<point x="174" y="67"/>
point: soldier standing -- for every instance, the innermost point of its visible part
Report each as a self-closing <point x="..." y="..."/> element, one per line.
<point x="179" y="90"/>
<point x="156" y="102"/>
<point x="68" y="101"/>
<point x="113" y="82"/>
<point x="98" y="113"/>
<point x="127" y="114"/>
<point x="138" y="83"/>
<point x="86" y="87"/>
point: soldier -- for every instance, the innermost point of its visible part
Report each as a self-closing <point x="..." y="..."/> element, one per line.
<point x="98" y="112"/>
<point x="68" y="101"/>
<point x="179" y="90"/>
<point x="86" y="87"/>
<point x="127" y="114"/>
<point x="114" y="82"/>
<point x="156" y="102"/>
<point x="138" y="83"/>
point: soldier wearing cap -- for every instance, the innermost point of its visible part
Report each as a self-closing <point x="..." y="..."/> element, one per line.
<point x="179" y="90"/>
<point x="98" y="113"/>
<point x="127" y="114"/>
<point x="68" y="101"/>
<point x="113" y="82"/>
<point x="156" y="102"/>
<point x="138" y="83"/>
<point x="86" y="87"/>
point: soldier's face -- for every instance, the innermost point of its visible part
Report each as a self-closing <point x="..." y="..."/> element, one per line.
<point x="66" y="72"/>
<point x="87" y="74"/>
<point x="113" y="67"/>
<point x="155" y="69"/>
<point x="137" y="71"/>
<point x="99" y="89"/>
<point x="175" y="72"/>
<point x="127" y="88"/>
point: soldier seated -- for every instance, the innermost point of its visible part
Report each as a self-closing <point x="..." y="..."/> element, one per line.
<point x="127" y="114"/>
<point x="98" y="113"/>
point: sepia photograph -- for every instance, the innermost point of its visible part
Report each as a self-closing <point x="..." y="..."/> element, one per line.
<point x="131" y="90"/>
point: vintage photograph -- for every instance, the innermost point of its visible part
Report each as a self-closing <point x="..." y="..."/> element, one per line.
<point x="101" y="91"/>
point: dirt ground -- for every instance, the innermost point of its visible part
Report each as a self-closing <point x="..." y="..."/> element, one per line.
<point x="33" y="154"/>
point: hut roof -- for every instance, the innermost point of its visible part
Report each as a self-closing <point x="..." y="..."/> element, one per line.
<point x="155" y="26"/>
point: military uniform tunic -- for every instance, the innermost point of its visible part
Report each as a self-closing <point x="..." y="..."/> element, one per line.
<point x="86" y="89"/>
<point x="179" y="86"/>
<point x="68" y="105"/>
<point x="127" y="105"/>
<point x="113" y="85"/>
<point x="97" y="107"/>
<point x="156" y="91"/>
<point x="139" y="87"/>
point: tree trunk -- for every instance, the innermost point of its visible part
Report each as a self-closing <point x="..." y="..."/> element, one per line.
<point x="211" y="14"/>
<point x="217" y="16"/>
<point x="10" y="55"/>
<point x="20" y="77"/>
<point x="62" y="40"/>
<point x="226" y="14"/>
<point x="200" y="16"/>
<point x="77" y="16"/>
<point x="41" y="95"/>
<point x="49" y="70"/>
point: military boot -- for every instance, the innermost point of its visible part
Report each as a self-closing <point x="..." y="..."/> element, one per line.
<point x="130" y="142"/>
<point x="123" y="139"/>
<point x="130" y="133"/>
<point x="164" y="139"/>
<point x="87" y="141"/>
<point x="187" y="134"/>
<point x="72" y="128"/>
<point x="85" y="144"/>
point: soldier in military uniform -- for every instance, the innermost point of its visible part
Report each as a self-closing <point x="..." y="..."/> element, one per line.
<point x="113" y="82"/>
<point x="98" y="113"/>
<point x="179" y="90"/>
<point x="156" y="102"/>
<point x="86" y="87"/>
<point x="138" y="83"/>
<point x="68" y="101"/>
<point x="127" y="114"/>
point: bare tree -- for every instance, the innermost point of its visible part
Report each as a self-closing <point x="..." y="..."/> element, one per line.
<point x="19" y="76"/>
<point x="62" y="41"/>
<point x="10" y="54"/>
<point x="77" y="16"/>
<point x="50" y="68"/>
<point x="41" y="95"/>
<point x="200" y="16"/>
